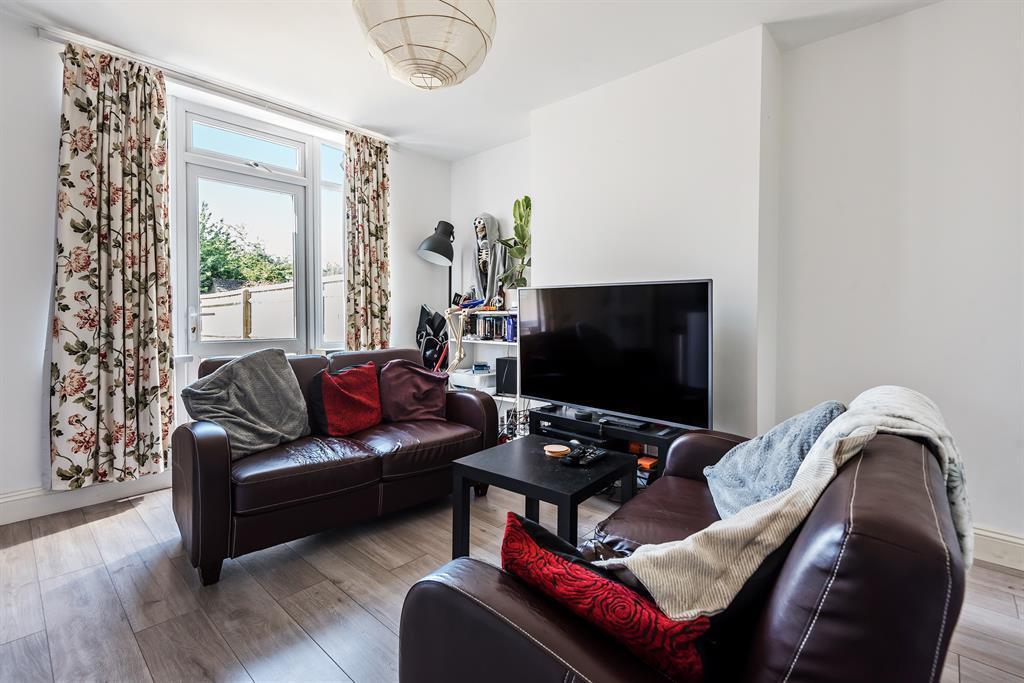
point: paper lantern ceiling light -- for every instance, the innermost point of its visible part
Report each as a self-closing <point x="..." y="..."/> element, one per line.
<point x="428" y="44"/>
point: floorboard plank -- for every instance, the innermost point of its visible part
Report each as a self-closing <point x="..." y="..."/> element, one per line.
<point x="155" y="510"/>
<point x="26" y="660"/>
<point x="976" y="672"/>
<point x="150" y="588"/>
<point x="281" y="571"/>
<point x="990" y="598"/>
<point x="63" y="544"/>
<point x="188" y="648"/>
<point x="412" y="572"/>
<point x="268" y="642"/>
<point x="378" y="542"/>
<point x="359" y="643"/>
<point x="1001" y="578"/>
<point x="983" y="647"/>
<point x="375" y="588"/>
<point x="21" y="610"/>
<point x="89" y="633"/>
<point x="951" y="669"/>
<point x="996" y="625"/>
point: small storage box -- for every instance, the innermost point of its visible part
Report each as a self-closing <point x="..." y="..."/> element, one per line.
<point x="470" y="380"/>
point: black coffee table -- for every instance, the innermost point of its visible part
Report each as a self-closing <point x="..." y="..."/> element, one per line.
<point x="522" y="466"/>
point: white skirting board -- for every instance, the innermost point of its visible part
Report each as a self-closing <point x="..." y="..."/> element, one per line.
<point x="999" y="548"/>
<point x="18" y="505"/>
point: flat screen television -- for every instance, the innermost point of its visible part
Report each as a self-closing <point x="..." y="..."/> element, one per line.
<point x="635" y="350"/>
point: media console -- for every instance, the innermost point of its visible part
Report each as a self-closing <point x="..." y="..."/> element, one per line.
<point x="560" y="422"/>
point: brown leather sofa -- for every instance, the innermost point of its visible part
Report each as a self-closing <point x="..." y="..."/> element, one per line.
<point x="868" y="589"/>
<point x="228" y="508"/>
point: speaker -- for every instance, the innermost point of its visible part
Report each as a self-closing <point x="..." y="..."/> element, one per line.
<point x="507" y="371"/>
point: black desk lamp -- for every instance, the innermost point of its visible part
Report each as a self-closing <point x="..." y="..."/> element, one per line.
<point x="438" y="249"/>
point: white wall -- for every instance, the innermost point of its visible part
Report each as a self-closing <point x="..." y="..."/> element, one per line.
<point x="420" y="197"/>
<point x="488" y="182"/>
<point x="655" y="176"/>
<point x="30" y="123"/>
<point x="901" y="232"/>
<point x="768" y="235"/>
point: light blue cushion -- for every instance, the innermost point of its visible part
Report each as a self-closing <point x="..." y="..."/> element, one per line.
<point x="765" y="466"/>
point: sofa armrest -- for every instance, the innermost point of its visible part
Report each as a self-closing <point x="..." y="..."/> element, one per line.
<point x="474" y="409"/>
<point x="472" y="621"/>
<point x="201" y="491"/>
<point x="693" y="451"/>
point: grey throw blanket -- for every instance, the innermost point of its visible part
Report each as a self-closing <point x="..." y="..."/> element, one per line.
<point x="765" y="466"/>
<point x="255" y="398"/>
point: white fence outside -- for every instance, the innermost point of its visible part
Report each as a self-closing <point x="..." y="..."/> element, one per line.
<point x="268" y="311"/>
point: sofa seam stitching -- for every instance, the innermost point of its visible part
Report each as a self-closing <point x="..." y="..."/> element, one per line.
<point x="832" y="578"/>
<point x="949" y="575"/>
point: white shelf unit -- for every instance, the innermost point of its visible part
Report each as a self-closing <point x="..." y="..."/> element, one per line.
<point x="489" y="350"/>
<point x="488" y="342"/>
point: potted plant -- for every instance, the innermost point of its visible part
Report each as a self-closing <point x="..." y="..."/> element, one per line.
<point x="518" y="246"/>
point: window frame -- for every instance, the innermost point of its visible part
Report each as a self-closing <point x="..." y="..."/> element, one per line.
<point x="320" y="314"/>
<point x="309" y="306"/>
<point x="300" y="146"/>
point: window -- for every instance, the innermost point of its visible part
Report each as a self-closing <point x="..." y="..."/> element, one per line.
<point x="332" y="254"/>
<point x="259" y="202"/>
<point x="246" y="146"/>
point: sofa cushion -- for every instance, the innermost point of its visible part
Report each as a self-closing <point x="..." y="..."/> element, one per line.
<point x="671" y="509"/>
<point x="299" y="471"/>
<point x="409" y="448"/>
<point x="408" y="391"/>
<point x="346" y="401"/>
<point x="552" y="566"/>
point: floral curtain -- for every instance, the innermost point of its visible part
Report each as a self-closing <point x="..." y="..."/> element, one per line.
<point x="111" y="399"/>
<point x="367" y="293"/>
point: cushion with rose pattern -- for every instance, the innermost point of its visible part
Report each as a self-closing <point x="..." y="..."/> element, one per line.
<point x="555" y="568"/>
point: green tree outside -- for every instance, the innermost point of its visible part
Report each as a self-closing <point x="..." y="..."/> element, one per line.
<point x="227" y="253"/>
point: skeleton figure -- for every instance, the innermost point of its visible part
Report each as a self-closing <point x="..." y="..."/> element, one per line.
<point x="491" y="259"/>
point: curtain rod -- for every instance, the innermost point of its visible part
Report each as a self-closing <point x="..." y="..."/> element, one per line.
<point x="186" y="77"/>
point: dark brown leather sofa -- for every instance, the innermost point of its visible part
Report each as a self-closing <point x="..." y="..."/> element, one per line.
<point x="228" y="508"/>
<point x="868" y="589"/>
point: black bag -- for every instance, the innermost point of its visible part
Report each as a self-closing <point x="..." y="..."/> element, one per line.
<point x="431" y="336"/>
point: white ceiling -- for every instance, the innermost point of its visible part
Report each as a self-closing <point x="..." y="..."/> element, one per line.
<point x="312" y="54"/>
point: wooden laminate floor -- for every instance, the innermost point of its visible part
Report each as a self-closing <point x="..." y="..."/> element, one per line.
<point x="105" y="593"/>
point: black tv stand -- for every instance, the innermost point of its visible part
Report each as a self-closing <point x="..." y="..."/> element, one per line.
<point x="612" y="432"/>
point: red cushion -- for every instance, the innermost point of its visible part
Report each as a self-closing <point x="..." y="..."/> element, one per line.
<point x="630" y="618"/>
<point x="346" y="402"/>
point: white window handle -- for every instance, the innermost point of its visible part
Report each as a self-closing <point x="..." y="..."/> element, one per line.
<point x="195" y="322"/>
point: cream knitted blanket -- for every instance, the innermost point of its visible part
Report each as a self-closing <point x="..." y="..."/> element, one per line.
<point x="700" y="575"/>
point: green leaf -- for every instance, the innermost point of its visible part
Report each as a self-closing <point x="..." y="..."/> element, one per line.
<point x="517" y="253"/>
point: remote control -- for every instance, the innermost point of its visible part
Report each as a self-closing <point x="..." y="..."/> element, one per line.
<point x="582" y="456"/>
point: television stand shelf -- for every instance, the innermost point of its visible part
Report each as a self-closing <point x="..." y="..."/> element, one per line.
<point x="560" y="422"/>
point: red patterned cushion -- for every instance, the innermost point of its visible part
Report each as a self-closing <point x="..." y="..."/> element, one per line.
<point x="634" y="620"/>
<point x="345" y="402"/>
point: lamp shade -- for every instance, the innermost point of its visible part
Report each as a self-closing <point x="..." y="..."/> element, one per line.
<point x="438" y="247"/>
<point x="428" y="44"/>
